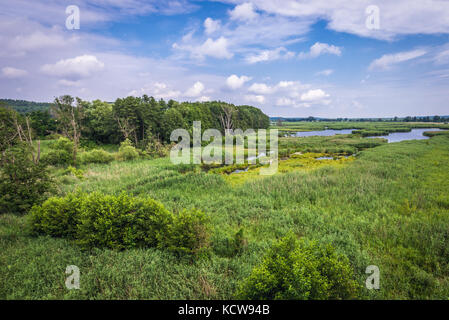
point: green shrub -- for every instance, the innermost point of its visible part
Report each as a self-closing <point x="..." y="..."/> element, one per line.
<point x="127" y="151"/>
<point x="22" y="182"/>
<point x="300" y="270"/>
<point x="61" y="153"/>
<point x="96" y="156"/>
<point x="188" y="233"/>
<point x="121" y="222"/>
<point x="57" y="217"/>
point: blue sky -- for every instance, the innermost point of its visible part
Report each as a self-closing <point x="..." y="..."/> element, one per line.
<point x="292" y="58"/>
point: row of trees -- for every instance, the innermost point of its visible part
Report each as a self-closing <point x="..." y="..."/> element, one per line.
<point x="140" y="118"/>
<point x="144" y="120"/>
<point x="24" y="106"/>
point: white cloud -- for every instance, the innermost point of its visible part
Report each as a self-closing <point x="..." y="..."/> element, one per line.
<point x="285" y="84"/>
<point x="270" y="55"/>
<point x="388" y="60"/>
<point x="314" y="95"/>
<point x="235" y="82"/>
<point x="10" y="72"/>
<point x="326" y="72"/>
<point x="214" y="48"/>
<point x="283" y="101"/>
<point x="261" y="88"/>
<point x="203" y="99"/>
<point x="38" y="40"/>
<point x="284" y="93"/>
<point x="319" y="49"/>
<point x="211" y="25"/>
<point x="294" y="96"/>
<point x="399" y="17"/>
<point x="78" y="67"/>
<point x="158" y="90"/>
<point x="243" y="12"/>
<point x="255" y="98"/>
<point x="195" y="90"/>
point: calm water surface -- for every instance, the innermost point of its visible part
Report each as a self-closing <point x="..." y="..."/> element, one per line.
<point x="415" y="134"/>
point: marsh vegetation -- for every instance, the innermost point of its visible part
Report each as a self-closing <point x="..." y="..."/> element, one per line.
<point x="213" y="233"/>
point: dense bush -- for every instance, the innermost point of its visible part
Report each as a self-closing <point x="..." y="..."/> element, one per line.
<point x="300" y="270"/>
<point x="61" y="152"/>
<point x="96" y="156"/>
<point x="127" y="151"/>
<point x="57" y="217"/>
<point x="188" y="233"/>
<point x="23" y="183"/>
<point x="120" y="222"/>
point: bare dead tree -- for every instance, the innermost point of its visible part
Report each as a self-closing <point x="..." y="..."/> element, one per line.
<point x="126" y="128"/>
<point x="27" y="137"/>
<point x="76" y="134"/>
<point x="69" y="119"/>
<point x="226" y="118"/>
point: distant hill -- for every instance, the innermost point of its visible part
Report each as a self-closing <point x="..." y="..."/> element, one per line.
<point x="24" y="106"/>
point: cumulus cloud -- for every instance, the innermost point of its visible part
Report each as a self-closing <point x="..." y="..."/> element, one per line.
<point x="319" y="49"/>
<point x="314" y="96"/>
<point x="211" y="25"/>
<point x="196" y="90"/>
<point x="79" y="67"/>
<point x="243" y="12"/>
<point x="286" y="84"/>
<point x="213" y="48"/>
<point x="235" y="82"/>
<point x="296" y="96"/>
<point x="261" y="88"/>
<point x="288" y="94"/>
<point x="270" y="55"/>
<point x="241" y="34"/>
<point x="10" y="72"/>
<point x="283" y="101"/>
<point x="158" y="90"/>
<point x="255" y="98"/>
<point x="388" y="60"/>
<point x="203" y="99"/>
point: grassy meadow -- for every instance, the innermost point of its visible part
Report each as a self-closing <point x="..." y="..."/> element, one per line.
<point x="377" y="203"/>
